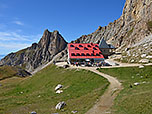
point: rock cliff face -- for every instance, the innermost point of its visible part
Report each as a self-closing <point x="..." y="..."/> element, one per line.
<point x="39" y="53"/>
<point x="134" y="24"/>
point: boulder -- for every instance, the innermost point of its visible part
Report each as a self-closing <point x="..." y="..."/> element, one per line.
<point x="135" y="84"/>
<point x="144" y="61"/>
<point x="145" y="45"/>
<point x="59" y="91"/>
<point x="128" y="53"/>
<point x="74" y="111"/>
<point x="60" y="105"/>
<point x="143" y="55"/>
<point x="58" y="87"/>
<point x="111" y="63"/>
<point x="65" y="66"/>
<point x="141" y="66"/>
<point x="127" y="49"/>
<point x="149" y="57"/>
<point x="33" y="112"/>
<point x="144" y="82"/>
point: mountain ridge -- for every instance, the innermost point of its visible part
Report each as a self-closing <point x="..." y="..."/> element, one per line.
<point x="1" y="56"/>
<point x="37" y="54"/>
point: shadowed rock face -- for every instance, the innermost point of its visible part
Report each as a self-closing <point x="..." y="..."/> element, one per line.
<point x="134" y="24"/>
<point x="39" y="53"/>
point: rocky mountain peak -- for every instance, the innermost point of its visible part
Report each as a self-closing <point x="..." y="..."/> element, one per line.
<point x="32" y="57"/>
<point x="99" y="28"/>
<point x="56" y="32"/>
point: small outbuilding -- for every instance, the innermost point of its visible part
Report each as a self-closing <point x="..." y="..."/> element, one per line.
<point x="106" y="49"/>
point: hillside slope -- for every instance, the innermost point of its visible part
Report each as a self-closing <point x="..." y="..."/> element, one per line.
<point x="9" y="72"/>
<point x="81" y="89"/>
<point x="136" y="97"/>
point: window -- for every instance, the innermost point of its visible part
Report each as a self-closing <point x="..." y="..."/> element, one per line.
<point x="73" y="54"/>
<point x="82" y="54"/>
<point x="89" y="46"/>
<point x="80" y="46"/>
<point x="87" y="54"/>
<point x="92" y="54"/>
<point x="76" y="48"/>
<point x="85" y="48"/>
<point x="97" y="54"/>
<point x="78" y="54"/>
<point x="71" y="45"/>
<point x="96" y="45"/>
<point x="94" y="48"/>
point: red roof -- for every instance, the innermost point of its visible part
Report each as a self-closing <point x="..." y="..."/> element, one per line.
<point x="87" y="50"/>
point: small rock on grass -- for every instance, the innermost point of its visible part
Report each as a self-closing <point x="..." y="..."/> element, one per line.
<point x="60" y="105"/>
<point x="58" y="87"/>
<point x="33" y="112"/>
<point x="74" y="111"/>
<point x="141" y="66"/>
<point x="144" y="61"/>
<point x="135" y="84"/>
<point x="59" y="91"/>
<point x="144" y="82"/>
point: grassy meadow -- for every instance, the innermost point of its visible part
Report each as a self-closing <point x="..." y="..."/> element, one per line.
<point x="133" y="99"/>
<point x="7" y="72"/>
<point x="80" y="92"/>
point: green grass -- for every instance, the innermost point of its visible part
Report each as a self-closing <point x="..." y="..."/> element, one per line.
<point x="7" y="72"/>
<point x="81" y="90"/>
<point x="135" y="100"/>
<point x="149" y="25"/>
<point x="11" y="71"/>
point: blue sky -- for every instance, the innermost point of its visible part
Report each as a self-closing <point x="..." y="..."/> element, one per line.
<point x="22" y="22"/>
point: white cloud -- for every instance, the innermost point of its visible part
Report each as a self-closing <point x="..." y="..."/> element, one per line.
<point x="14" y="36"/>
<point x="18" y="23"/>
<point x="14" y="41"/>
<point x="6" y="48"/>
<point x="14" y="45"/>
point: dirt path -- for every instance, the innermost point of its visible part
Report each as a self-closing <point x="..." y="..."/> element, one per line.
<point x="106" y="100"/>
